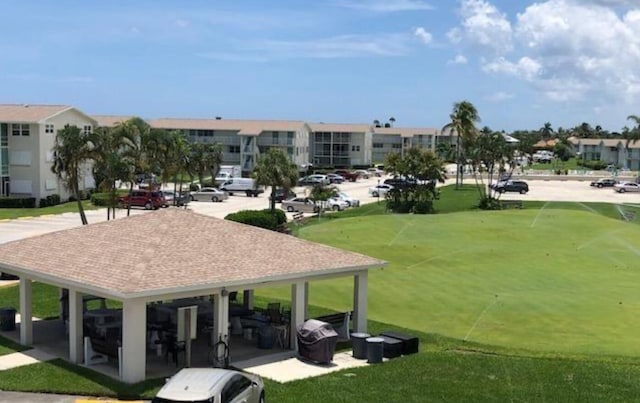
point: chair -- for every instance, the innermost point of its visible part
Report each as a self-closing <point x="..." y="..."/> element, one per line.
<point x="173" y="347"/>
<point x="274" y="313"/>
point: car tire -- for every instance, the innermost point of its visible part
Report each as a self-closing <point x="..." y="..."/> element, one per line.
<point x="622" y="190"/>
<point x="191" y="198"/>
<point x="348" y="204"/>
<point x="148" y="206"/>
<point x="290" y="209"/>
<point x="214" y="199"/>
<point x="374" y="194"/>
<point x="262" y="399"/>
<point x="335" y="208"/>
<point x="599" y="185"/>
<point x="248" y="193"/>
<point x="522" y="191"/>
<point x="500" y="190"/>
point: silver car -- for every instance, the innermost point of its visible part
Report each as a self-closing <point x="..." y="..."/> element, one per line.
<point x="209" y="194"/>
<point x="626" y="187"/>
<point x="211" y="385"/>
<point x="301" y="204"/>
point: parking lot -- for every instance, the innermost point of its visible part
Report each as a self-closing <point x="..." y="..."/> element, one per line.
<point x="570" y="191"/>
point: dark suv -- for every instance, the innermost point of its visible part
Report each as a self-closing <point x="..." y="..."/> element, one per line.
<point x="149" y="199"/>
<point x="282" y="195"/>
<point x="604" y="183"/>
<point x="512" y="186"/>
<point x="400" y="183"/>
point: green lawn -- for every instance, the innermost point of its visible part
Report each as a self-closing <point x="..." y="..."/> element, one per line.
<point x="10" y="213"/>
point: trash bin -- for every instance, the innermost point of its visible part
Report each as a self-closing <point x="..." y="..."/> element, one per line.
<point x="7" y="319"/>
<point x="375" y="350"/>
<point x="265" y="337"/>
<point x="359" y="343"/>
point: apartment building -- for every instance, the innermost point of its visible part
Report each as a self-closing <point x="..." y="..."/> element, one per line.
<point x="340" y="145"/>
<point x="27" y="136"/>
<point x="399" y="139"/>
<point x="612" y="151"/>
<point x="244" y="140"/>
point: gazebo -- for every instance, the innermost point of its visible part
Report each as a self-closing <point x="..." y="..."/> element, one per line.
<point x="171" y="254"/>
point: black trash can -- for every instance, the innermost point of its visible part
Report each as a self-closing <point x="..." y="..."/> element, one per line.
<point x="359" y="343"/>
<point x="375" y="350"/>
<point x="7" y="319"/>
<point x="265" y="337"/>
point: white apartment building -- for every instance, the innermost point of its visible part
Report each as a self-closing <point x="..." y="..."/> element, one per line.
<point x="340" y="145"/>
<point x="27" y="136"/>
<point x="399" y="139"/>
<point x="612" y="151"/>
<point x="244" y="140"/>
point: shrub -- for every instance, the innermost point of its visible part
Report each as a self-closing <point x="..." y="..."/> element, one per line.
<point x="423" y="207"/>
<point x="489" y="203"/>
<point x="281" y="217"/>
<point x="100" y="199"/>
<point x="51" y="200"/>
<point x="17" y="202"/>
<point x="257" y="218"/>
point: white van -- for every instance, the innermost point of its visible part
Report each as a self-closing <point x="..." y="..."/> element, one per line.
<point x="248" y="186"/>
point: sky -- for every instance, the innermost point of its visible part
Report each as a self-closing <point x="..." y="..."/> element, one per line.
<point x="521" y="63"/>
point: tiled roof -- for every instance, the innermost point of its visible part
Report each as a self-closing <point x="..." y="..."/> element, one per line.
<point x="590" y="142"/>
<point x="244" y="127"/>
<point x="28" y="113"/>
<point x="109" y="120"/>
<point x="340" y="127"/>
<point x="406" y="131"/>
<point x="172" y="250"/>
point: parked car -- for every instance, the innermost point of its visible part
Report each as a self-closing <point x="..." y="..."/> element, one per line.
<point x="335" y="178"/>
<point x="209" y="194"/>
<point x="349" y="176"/>
<point x="211" y="385"/>
<point x="282" y="195"/>
<point x="521" y="187"/>
<point x="604" y="183"/>
<point x="301" y="204"/>
<point x="400" y="183"/>
<point x="248" y="186"/>
<point x="364" y="174"/>
<point x="626" y="187"/>
<point x="149" y="199"/>
<point x="337" y="204"/>
<point x="312" y="180"/>
<point x="170" y="196"/>
<point x="222" y="178"/>
<point x="379" y="190"/>
<point x="351" y="202"/>
<point x="375" y="172"/>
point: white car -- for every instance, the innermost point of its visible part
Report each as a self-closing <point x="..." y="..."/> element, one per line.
<point x="351" y="202"/>
<point x="626" y="187"/>
<point x="337" y="204"/>
<point x="209" y="194"/>
<point x="362" y="173"/>
<point x="379" y="190"/>
<point x="375" y="172"/>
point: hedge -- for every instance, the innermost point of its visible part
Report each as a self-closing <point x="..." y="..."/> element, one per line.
<point x="100" y="199"/>
<point x="257" y="218"/>
<point x="17" y="202"/>
<point x="51" y="200"/>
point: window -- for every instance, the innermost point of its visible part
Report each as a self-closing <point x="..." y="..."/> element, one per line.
<point x="355" y="148"/>
<point x="48" y="128"/>
<point x="87" y="129"/>
<point x="234" y="149"/>
<point x="274" y="138"/>
<point x="18" y="129"/>
<point x="378" y="145"/>
<point x="396" y="145"/>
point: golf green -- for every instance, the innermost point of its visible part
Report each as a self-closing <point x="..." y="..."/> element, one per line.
<point x="554" y="280"/>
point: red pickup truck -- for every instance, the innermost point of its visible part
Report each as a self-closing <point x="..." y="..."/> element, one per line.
<point x="348" y="176"/>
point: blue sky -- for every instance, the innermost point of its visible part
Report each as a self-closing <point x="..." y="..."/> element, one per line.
<point x="522" y="63"/>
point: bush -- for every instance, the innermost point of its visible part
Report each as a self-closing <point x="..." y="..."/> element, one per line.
<point x="17" y="202"/>
<point x="51" y="200"/>
<point x="257" y="218"/>
<point x="281" y="217"/>
<point x="100" y="199"/>
<point x="596" y="165"/>
<point x="489" y="203"/>
<point x="423" y="207"/>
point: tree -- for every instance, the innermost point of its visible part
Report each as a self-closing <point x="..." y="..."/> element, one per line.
<point x="488" y="151"/>
<point x="276" y="170"/>
<point x="547" y="131"/>
<point x="633" y="135"/>
<point x="321" y="193"/>
<point x="71" y="151"/>
<point x="205" y="158"/>
<point x="463" y="120"/>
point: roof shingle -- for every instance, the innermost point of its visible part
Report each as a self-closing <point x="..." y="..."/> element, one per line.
<point x="22" y="113"/>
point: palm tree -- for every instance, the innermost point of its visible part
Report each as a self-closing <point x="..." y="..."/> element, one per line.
<point x="376" y="123"/>
<point x="321" y="193"/>
<point x="463" y="120"/>
<point x="138" y="138"/>
<point x="631" y="136"/>
<point x="392" y="120"/>
<point x="275" y="169"/>
<point x="547" y="132"/>
<point x="71" y="150"/>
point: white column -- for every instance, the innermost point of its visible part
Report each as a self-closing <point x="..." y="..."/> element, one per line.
<point x="248" y="299"/>
<point x="75" y="327"/>
<point x="26" y="323"/>
<point x="297" y="311"/>
<point x="360" y="302"/>
<point x="134" y="347"/>
<point x="306" y="300"/>
<point x="221" y="317"/>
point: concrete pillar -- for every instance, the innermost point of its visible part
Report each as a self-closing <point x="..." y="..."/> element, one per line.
<point x="75" y="327"/>
<point x="306" y="300"/>
<point x="134" y="337"/>
<point x="221" y="317"/>
<point x="360" y="285"/>
<point x="248" y="299"/>
<point x="297" y="311"/>
<point x="26" y="323"/>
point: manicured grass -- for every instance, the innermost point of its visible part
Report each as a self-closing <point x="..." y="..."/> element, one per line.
<point x="71" y="207"/>
<point x="572" y="164"/>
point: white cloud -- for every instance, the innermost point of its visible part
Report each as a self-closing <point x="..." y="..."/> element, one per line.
<point x="566" y="49"/>
<point x="422" y="34"/>
<point x="387" y="6"/>
<point x="499" y="96"/>
<point x="459" y="59"/>
<point x="180" y="23"/>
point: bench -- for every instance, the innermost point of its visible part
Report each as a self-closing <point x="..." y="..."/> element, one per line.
<point x="505" y="204"/>
<point x="339" y="322"/>
<point x="297" y="217"/>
